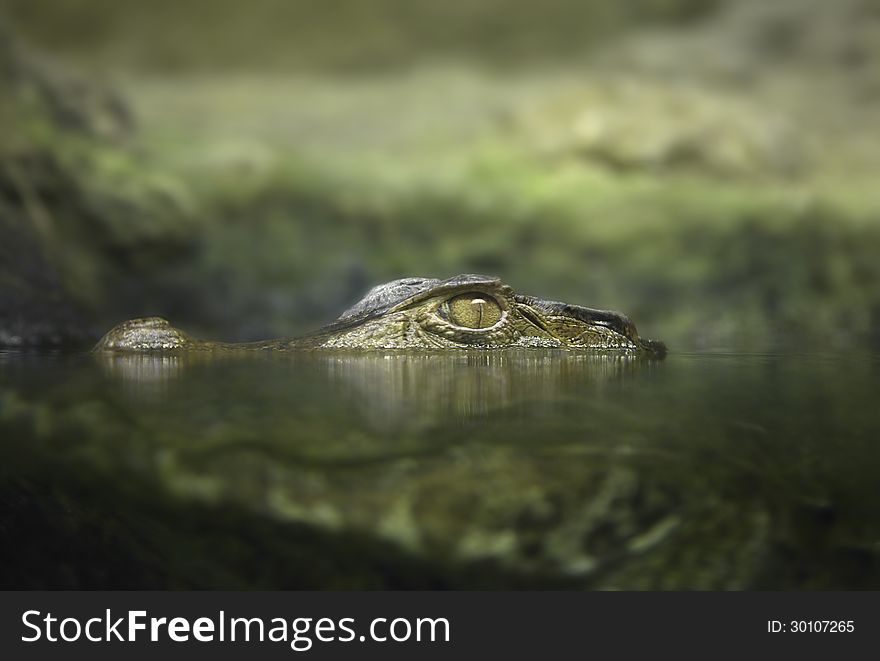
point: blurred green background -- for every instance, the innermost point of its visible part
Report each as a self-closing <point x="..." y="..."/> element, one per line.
<point x="249" y="169"/>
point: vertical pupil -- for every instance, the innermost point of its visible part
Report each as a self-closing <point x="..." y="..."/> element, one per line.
<point x="474" y="310"/>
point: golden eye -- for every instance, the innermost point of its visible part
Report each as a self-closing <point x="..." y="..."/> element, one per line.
<point x="474" y="310"/>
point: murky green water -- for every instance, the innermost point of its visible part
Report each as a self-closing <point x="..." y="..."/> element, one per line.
<point x="518" y="469"/>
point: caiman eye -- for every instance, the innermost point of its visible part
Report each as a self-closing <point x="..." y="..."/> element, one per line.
<point x="473" y="310"/>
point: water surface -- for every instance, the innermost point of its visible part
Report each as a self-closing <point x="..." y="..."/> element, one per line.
<point x="470" y="470"/>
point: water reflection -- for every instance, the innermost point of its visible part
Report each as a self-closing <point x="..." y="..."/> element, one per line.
<point x="143" y="369"/>
<point x="392" y="390"/>
<point x="559" y="468"/>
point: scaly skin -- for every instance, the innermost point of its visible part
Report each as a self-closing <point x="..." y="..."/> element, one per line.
<point x="464" y="312"/>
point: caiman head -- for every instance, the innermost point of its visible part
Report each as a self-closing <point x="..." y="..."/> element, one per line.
<point x="463" y="312"/>
<point x="474" y="311"/>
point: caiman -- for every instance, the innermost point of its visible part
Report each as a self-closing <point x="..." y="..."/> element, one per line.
<point x="463" y="312"/>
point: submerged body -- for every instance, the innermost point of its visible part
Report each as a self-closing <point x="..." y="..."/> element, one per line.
<point x="463" y="312"/>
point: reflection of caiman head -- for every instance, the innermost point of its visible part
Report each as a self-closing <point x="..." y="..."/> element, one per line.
<point x="464" y="312"/>
<point x="393" y="392"/>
